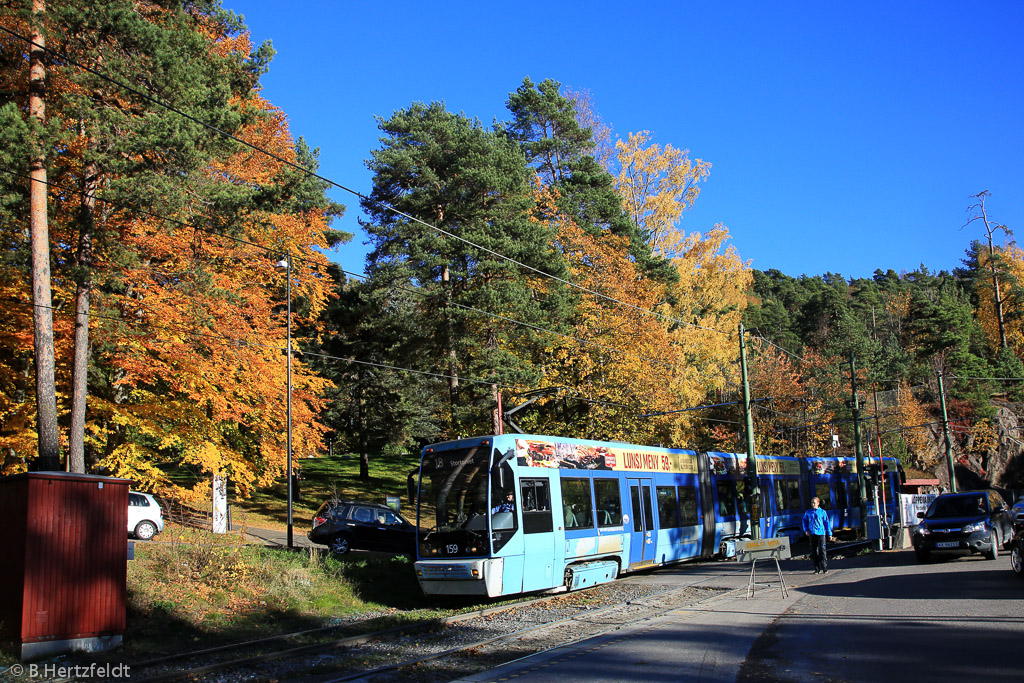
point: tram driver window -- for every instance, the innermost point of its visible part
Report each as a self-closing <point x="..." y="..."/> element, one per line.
<point x="609" y="502"/>
<point x="577" y="505"/>
<point x="536" y="500"/>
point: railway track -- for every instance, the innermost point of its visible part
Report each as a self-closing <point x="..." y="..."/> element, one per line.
<point x="443" y="649"/>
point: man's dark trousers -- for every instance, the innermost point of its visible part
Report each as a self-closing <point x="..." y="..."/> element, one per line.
<point x="818" y="552"/>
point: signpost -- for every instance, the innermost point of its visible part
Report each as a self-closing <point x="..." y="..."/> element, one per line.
<point x="764" y="549"/>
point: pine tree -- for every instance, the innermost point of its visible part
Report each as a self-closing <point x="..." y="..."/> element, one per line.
<point x="561" y="152"/>
<point x="464" y="229"/>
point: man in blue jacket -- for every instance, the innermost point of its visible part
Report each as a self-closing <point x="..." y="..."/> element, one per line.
<point x="818" y="527"/>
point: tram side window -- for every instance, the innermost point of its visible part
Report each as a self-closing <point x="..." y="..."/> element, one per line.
<point x="634" y="495"/>
<point x="787" y="495"/>
<point x="822" y="493"/>
<point x="793" y="488"/>
<point x="609" y="502"/>
<point x="855" y="494"/>
<point x="688" y="505"/>
<point x="576" y="503"/>
<point x="536" y="496"/>
<point x="668" y="508"/>
<point x="781" y="502"/>
<point x="742" y="498"/>
<point x="726" y="499"/>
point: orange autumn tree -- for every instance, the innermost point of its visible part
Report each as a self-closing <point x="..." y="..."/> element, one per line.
<point x="194" y="338"/>
<point x="708" y="299"/>
<point x="620" y="360"/>
<point x="656" y="185"/>
<point x="799" y="409"/>
<point x="187" y="327"/>
<point x="626" y="366"/>
<point x="1010" y="260"/>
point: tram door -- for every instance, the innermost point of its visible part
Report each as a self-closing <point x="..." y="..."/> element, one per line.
<point x="642" y="537"/>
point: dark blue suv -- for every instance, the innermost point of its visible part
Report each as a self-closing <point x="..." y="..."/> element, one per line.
<point x="964" y="523"/>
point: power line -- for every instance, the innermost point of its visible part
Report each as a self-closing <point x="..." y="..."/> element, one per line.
<point x="770" y="343"/>
<point x="382" y="205"/>
<point x="237" y="342"/>
<point x="368" y="200"/>
<point x="714" y="405"/>
<point x="992" y="379"/>
<point x="538" y="328"/>
<point x="903" y="429"/>
<point x="315" y="264"/>
<point x="176" y="221"/>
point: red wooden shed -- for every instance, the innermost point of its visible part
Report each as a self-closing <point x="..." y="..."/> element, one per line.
<point x="64" y="576"/>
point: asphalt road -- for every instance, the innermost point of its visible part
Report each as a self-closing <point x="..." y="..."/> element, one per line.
<point x="888" y="618"/>
<point x="877" y="617"/>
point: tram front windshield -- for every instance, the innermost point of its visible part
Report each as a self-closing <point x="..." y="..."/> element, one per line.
<point x="453" y="507"/>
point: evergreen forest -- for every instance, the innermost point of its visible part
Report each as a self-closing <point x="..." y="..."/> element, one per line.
<point x="168" y="240"/>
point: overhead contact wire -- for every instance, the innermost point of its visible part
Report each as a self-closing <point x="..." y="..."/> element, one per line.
<point x="314" y="174"/>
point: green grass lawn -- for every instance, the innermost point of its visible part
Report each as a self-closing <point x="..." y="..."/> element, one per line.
<point x="196" y="589"/>
<point x="321" y="479"/>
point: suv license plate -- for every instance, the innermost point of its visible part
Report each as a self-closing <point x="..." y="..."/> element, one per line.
<point x="947" y="544"/>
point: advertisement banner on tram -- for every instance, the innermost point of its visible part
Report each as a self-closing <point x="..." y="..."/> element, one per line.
<point x="589" y="457"/>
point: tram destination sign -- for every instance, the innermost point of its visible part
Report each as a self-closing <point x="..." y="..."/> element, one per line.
<point x="764" y="548"/>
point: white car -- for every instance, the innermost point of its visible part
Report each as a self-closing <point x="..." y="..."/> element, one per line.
<point x="145" y="520"/>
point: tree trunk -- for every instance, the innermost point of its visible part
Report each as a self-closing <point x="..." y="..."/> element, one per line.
<point x="80" y="371"/>
<point x="990" y="231"/>
<point x="453" y="359"/>
<point x="496" y="414"/>
<point x="364" y="455"/>
<point x="42" y="316"/>
<point x="998" y="295"/>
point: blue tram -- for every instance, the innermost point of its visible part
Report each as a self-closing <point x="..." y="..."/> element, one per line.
<point x="509" y="514"/>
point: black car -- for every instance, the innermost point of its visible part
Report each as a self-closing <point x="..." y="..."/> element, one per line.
<point x="964" y="523"/>
<point x="345" y="524"/>
<point x="1017" y="550"/>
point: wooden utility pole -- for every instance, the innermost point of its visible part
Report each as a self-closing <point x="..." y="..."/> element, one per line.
<point x="42" y="301"/>
<point x="945" y="431"/>
<point x="861" y="479"/>
<point x="752" y="483"/>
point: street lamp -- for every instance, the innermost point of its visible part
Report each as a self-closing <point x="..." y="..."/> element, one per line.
<point x="286" y="263"/>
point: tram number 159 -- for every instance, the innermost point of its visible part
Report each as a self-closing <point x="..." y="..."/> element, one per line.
<point x="452" y="548"/>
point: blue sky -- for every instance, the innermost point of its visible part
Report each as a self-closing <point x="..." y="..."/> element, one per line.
<point x="843" y="137"/>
